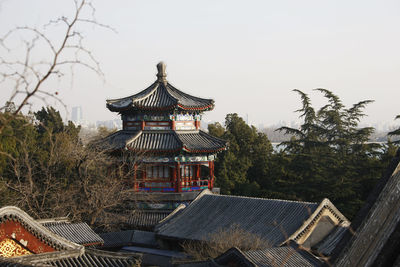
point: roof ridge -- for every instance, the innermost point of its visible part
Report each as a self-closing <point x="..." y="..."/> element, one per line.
<point x="260" y="198"/>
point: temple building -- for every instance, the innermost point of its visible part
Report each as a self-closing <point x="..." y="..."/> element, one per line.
<point x="161" y="126"/>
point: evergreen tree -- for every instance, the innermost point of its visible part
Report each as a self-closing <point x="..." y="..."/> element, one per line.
<point x="395" y="132"/>
<point x="241" y="168"/>
<point x="329" y="154"/>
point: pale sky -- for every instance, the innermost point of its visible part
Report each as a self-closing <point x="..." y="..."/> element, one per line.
<point x="246" y="55"/>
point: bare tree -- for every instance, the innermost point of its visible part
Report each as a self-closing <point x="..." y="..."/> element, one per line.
<point x="69" y="178"/>
<point x="222" y="240"/>
<point x="26" y="75"/>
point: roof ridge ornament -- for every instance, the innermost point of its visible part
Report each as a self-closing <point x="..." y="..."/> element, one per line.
<point x="161" y="74"/>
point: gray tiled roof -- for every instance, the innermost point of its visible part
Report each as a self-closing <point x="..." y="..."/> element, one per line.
<point x="79" y="233"/>
<point x="96" y="260"/>
<point x="272" y="220"/>
<point x="376" y="240"/>
<point x="283" y="257"/>
<point x="118" y="239"/>
<point x="209" y="263"/>
<point x="160" y="96"/>
<point x="199" y="141"/>
<point x="155" y="140"/>
<point x="129" y="238"/>
<point x="147" y="219"/>
<point x="144" y="238"/>
<point x="90" y="257"/>
<point x="165" y="141"/>
<point x="286" y="256"/>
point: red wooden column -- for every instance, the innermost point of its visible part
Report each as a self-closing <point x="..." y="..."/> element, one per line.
<point x="198" y="166"/>
<point x="197" y="124"/>
<point x="211" y="169"/>
<point x="178" y="177"/>
<point x="174" y="176"/>
<point x="135" y="185"/>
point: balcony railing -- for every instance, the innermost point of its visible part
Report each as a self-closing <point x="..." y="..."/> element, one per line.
<point x="167" y="186"/>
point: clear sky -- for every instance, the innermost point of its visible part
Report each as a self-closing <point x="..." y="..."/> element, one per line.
<point x="246" y="55"/>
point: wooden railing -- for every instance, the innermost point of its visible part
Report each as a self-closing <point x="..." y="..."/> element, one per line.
<point x="168" y="186"/>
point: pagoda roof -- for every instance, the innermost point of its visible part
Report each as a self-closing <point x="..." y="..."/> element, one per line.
<point x="164" y="141"/>
<point x="160" y="96"/>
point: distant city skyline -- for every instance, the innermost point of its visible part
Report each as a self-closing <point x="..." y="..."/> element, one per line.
<point x="247" y="56"/>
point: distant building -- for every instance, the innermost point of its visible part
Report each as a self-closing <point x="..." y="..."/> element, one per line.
<point x="110" y="124"/>
<point x="76" y="115"/>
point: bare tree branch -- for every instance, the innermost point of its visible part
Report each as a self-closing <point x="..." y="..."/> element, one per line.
<point x="27" y="76"/>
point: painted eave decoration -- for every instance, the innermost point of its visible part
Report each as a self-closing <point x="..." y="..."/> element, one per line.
<point x="21" y="235"/>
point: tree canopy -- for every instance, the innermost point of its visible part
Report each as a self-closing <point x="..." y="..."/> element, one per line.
<point x="47" y="171"/>
<point x="328" y="156"/>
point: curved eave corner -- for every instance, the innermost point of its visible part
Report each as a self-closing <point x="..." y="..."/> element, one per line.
<point x="113" y="108"/>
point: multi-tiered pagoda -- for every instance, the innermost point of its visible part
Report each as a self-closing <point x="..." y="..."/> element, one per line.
<point x="161" y="125"/>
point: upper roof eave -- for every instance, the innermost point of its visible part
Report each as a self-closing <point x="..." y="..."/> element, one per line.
<point x="160" y="96"/>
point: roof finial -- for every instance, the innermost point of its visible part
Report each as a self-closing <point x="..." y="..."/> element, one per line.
<point x="161" y="72"/>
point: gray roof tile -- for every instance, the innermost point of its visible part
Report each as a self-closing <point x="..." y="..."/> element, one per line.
<point x="118" y="239"/>
<point x="96" y="258"/>
<point x="282" y="256"/>
<point x="147" y="219"/>
<point x="286" y="256"/>
<point x="79" y="233"/>
<point x="161" y="95"/>
<point x="164" y="141"/>
<point x="129" y="238"/>
<point x="272" y="220"/>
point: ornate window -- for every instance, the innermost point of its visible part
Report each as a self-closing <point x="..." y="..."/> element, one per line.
<point x="158" y="172"/>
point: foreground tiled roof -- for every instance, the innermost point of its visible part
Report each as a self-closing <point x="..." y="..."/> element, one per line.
<point x="160" y="96"/>
<point x="286" y="256"/>
<point x="89" y="257"/>
<point x="282" y="256"/>
<point x="272" y="220"/>
<point x="98" y="258"/>
<point x="164" y="141"/>
<point x="375" y="240"/>
<point x="79" y="233"/>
